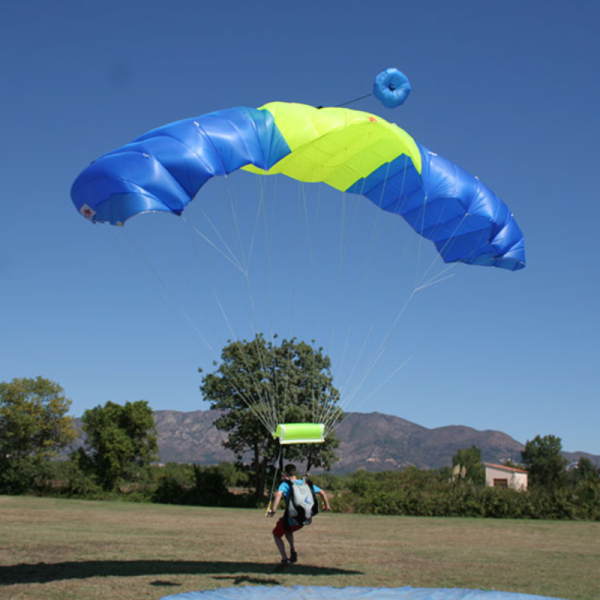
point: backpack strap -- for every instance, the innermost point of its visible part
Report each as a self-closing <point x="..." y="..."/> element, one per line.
<point x="315" y="510"/>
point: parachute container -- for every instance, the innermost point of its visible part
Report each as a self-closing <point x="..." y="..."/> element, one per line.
<point x="300" y="433"/>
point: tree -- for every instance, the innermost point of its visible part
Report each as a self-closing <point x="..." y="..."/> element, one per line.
<point x="543" y="459"/>
<point x="585" y="470"/>
<point x="120" y="441"/>
<point x="34" y="426"/>
<point x="468" y="461"/>
<point x="261" y="384"/>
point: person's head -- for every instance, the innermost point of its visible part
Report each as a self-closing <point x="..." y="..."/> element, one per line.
<point x="290" y="471"/>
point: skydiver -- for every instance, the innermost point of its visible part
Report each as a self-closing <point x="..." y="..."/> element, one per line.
<point x="287" y="525"/>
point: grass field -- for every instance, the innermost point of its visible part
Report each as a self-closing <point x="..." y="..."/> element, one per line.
<point x="71" y="549"/>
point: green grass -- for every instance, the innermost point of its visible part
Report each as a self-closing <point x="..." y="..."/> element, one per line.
<point x="72" y="549"/>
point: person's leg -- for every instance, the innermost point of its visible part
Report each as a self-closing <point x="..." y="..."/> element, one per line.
<point x="289" y="536"/>
<point x="278" y="533"/>
<point x="280" y="546"/>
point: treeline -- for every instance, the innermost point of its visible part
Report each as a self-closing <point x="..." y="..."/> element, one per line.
<point x="119" y="460"/>
<point x="411" y="492"/>
<point x="435" y="493"/>
<point x="224" y="485"/>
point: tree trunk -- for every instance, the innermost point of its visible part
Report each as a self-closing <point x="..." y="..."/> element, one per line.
<point x="261" y="479"/>
<point x="309" y="461"/>
<point x="260" y="472"/>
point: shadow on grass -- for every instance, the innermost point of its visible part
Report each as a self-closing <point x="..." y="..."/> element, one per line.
<point x="44" y="572"/>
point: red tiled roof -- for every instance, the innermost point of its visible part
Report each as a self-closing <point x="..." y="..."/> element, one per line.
<point x="505" y="468"/>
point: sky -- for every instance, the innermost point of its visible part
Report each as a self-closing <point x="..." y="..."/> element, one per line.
<point x="509" y="91"/>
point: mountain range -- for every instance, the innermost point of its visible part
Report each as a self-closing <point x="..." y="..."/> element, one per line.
<point x="371" y="441"/>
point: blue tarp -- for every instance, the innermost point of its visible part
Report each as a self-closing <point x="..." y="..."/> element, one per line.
<point x="299" y="592"/>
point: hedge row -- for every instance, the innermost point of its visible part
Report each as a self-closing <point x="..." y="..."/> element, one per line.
<point x="426" y="495"/>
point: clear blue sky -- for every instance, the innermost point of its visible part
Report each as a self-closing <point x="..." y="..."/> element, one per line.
<point x="508" y="91"/>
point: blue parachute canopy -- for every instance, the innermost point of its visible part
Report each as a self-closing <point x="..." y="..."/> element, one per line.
<point x="352" y="151"/>
<point x="391" y="88"/>
<point x="299" y="592"/>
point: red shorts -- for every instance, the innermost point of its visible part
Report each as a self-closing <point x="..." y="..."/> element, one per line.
<point x="280" y="529"/>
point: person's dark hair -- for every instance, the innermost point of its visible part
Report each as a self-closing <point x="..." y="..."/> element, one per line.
<point x="290" y="470"/>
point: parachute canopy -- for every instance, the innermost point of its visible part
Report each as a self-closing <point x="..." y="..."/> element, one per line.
<point x="352" y="151"/>
<point x="300" y="592"/>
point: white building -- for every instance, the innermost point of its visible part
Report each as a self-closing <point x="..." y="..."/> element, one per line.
<point x="503" y="476"/>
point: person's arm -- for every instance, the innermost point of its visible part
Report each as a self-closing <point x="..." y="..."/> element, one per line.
<point x="325" y="499"/>
<point x="276" y="500"/>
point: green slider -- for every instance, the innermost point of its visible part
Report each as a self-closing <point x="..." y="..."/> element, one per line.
<point x="300" y="433"/>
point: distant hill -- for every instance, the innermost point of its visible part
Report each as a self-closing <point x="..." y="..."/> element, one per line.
<point x="371" y="441"/>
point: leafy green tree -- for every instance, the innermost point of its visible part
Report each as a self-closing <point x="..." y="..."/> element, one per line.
<point x="585" y="470"/>
<point x="34" y="426"/>
<point x="543" y="459"/>
<point x="468" y="461"/>
<point x="260" y="384"/>
<point x="120" y="442"/>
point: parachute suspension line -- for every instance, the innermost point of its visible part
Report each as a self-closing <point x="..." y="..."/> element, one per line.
<point x="378" y="354"/>
<point x="438" y="278"/>
<point x="265" y="394"/>
<point x="343" y="249"/>
<point x="269" y="422"/>
<point x="278" y="403"/>
<point x="259" y="209"/>
<point x="365" y="376"/>
<point x="313" y="404"/>
<point x="237" y="227"/>
<point x="353" y="101"/>
<point x="261" y="214"/>
<point x="279" y="394"/>
<point x="328" y="410"/>
<point x="308" y="235"/>
<point x="333" y="425"/>
<point x="376" y="231"/>
<point x="309" y="238"/>
<point x="234" y="261"/>
<point x="314" y="409"/>
<point x="381" y="349"/>
<point x="166" y="296"/>
<point x="272" y="393"/>
<point x="231" y="258"/>
<point x="338" y="284"/>
<point x="349" y="397"/>
<point x="420" y="282"/>
<point x="224" y="187"/>
<point x="278" y="465"/>
<point x="350" y="330"/>
<point x="255" y="406"/>
<point x="421" y="242"/>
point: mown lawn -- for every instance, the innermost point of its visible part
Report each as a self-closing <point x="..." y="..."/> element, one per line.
<point x="72" y="549"/>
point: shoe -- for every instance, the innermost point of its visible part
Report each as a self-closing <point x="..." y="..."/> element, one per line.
<point x="293" y="557"/>
<point x="284" y="564"/>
